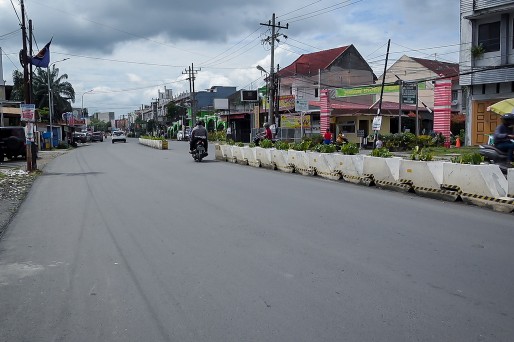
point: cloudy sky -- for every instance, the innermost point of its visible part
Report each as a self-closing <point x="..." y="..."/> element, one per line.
<point x="126" y="51"/>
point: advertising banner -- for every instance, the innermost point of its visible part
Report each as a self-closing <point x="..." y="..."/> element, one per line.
<point x="295" y="121"/>
<point x="28" y="112"/>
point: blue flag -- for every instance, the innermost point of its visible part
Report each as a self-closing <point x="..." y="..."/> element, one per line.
<point x="42" y="59"/>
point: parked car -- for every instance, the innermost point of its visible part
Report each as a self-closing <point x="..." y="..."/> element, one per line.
<point x="97" y="136"/>
<point x="118" y="136"/>
<point x="12" y="142"/>
<point x="80" y="137"/>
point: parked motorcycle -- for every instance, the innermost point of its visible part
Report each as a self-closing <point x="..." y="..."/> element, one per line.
<point x="494" y="156"/>
<point x="199" y="152"/>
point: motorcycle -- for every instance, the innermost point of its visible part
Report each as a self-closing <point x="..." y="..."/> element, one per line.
<point x="493" y="155"/>
<point x="199" y="152"/>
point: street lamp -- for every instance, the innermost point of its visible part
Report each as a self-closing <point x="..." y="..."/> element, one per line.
<point x="82" y="105"/>
<point x="50" y="105"/>
<point x="268" y="93"/>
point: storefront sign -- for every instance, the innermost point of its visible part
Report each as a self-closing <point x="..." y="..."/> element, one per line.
<point x="409" y="93"/>
<point x="372" y="90"/>
<point x="377" y="123"/>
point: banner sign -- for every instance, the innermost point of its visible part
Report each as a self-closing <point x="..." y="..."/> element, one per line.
<point x="28" y="112"/>
<point x="371" y="90"/>
<point x="295" y="121"/>
<point x="377" y="123"/>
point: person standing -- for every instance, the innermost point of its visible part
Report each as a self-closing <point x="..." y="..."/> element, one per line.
<point x="229" y="133"/>
<point x="327" y="137"/>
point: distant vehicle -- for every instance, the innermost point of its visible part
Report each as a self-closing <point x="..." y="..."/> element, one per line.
<point x="118" y="136"/>
<point x="79" y="137"/>
<point x="12" y="142"/>
<point x="184" y="135"/>
<point x="97" y="136"/>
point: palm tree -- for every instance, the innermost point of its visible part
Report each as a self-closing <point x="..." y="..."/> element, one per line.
<point x="62" y="91"/>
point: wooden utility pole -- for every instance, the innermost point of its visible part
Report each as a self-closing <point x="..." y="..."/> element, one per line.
<point x="272" y="91"/>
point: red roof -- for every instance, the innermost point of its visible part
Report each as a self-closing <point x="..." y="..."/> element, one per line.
<point x="440" y="68"/>
<point x="311" y="63"/>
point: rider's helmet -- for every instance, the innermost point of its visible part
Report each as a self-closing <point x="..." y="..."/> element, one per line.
<point x="266" y="125"/>
<point x="508" y="119"/>
<point x="200" y="122"/>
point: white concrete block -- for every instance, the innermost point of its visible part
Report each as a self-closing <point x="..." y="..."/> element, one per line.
<point x="510" y="181"/>
<point x="280" y="159"/>
<point x="382" y="169"/>
<point x="263" y="155"/>
<point x="301" y="162"/>
<point x="349" y="165"/>
<point x="482" y="180"/>
<point x="422" y="174"/>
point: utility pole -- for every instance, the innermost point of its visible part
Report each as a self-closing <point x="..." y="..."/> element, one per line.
<point x="271" y="41"/>
<point x="191" y="72"/>
<point x="26" y="81"/>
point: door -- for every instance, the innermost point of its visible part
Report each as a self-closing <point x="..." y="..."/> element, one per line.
<point x="483" y="122"/>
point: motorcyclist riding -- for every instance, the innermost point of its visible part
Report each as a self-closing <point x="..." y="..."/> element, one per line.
<point x="503" y="136"/>
<point x="198" y="133"/>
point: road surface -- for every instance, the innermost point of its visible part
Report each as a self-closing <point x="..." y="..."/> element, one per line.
<point x="121" y="242"/>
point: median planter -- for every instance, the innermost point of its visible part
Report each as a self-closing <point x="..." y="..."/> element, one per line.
<point x="324" y="164"/>
<point x="158" y="144"/>
<point x="280" y="158"/>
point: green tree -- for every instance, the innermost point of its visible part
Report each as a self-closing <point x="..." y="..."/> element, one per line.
<point x="17" y="93"/>
<point x="174" y="113"/>
<point x="99" y="125"/>
<point x="62" y="91"/>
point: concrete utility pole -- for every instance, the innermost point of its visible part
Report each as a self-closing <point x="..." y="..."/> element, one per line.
<point x="26" y="80"/>
<point x="191" y="72"/>
<point x="272" y="90"/>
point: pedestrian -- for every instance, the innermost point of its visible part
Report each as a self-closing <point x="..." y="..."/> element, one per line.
<point x="327" y="137"/>
<point x="229" y="133"/>
<point x="379" y="143"/>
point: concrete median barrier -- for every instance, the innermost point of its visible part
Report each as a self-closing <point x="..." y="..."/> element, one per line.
<point x="510" y="181"/>
<point x="351" y="168"/>
<point x="263" y="155"/>
<point x="482" y="180"/>
<point x="324" y="164"/>
<point x="281" y="160"/>
<point x="158" y="144"/>
<point x="385" y="172"/>
<point x="238" y="155"/>
<point x="218" y="154"/>
<point x="301" y="163"/>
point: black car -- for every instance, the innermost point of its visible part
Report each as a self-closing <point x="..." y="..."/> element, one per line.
<point x="97" y="136"/>
<point x="12" y="142"/>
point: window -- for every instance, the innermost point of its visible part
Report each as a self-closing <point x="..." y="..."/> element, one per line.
<point x="316" y="92"/>
<point x="489" y="36"/>
<point x="348" y="127"/>
<point x="455" y="95"/>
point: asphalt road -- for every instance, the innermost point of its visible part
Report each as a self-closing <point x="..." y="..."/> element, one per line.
<point x="121" y="242"/>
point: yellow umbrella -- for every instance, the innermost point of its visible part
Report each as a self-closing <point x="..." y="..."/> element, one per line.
<point x="502" y="107"/>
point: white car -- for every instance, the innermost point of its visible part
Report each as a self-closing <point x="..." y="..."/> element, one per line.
<point x="118" y="136"/>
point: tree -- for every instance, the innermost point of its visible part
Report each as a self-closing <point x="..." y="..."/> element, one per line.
<point x="174" y="112"/>
<point x="62" y="91"/>
<point x="17" y="93"/>
<point x="99" y="125"/>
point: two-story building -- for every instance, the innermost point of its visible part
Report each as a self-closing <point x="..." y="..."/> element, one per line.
<point x="486" y="62"/>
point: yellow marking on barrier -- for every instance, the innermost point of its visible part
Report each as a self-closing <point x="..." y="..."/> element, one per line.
<point x="409" y="170"/>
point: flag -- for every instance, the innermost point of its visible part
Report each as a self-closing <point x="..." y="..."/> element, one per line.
<point x="42" y="59"/>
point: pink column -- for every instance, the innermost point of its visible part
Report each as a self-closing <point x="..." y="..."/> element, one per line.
<point x="442" y="108"/>
<point x="324" y="119"/>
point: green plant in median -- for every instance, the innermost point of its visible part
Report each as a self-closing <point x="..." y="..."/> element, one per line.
<point x="230" y="142"/>
<point x="149" y="137"/>
<point x="422" y="154"/>
<point x="381" y="152"/>
<point x="240" y="144"/>
<point x="350" y="148"/>
<point x="468" y="158"/>
<point x="266" y="143"/>
<point x="324" y="148"/>
<point x="282" y="145"/>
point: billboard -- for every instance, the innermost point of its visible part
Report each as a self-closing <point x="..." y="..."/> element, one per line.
<point x="249" y="95"/>
<point x="221" y="104"/>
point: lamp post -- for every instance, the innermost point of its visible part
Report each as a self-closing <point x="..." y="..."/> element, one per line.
<point x="82" y="105"/>
<point x="50" y="102"/>
<point x="268" y="93"/>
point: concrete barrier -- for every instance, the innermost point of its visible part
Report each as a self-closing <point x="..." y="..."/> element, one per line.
<point x="481" y="180"/>
<point x="218" y="153"/>
<point x="263" y="155"/>
<point x="301" y="162"/>
<point x="226" y="150"/>
<point x="158" y="144"/>
<point x="237" y="154"/>
<point x="230" y="153"/>
<point x="281" y="160"/>
<point x="351" y="168"/>
<point x="251" y="156"/>
<point x="510" y="181"/>
<point x="426" y="179"/>
<point x="324" y="164"/>
<point x="385" y="172"/>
